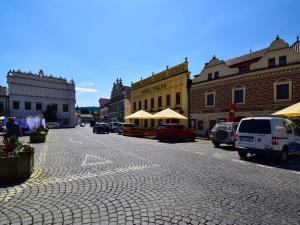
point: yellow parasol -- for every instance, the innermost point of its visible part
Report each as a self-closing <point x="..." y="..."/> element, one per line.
<point x="141" y="114"/>
<point x="293" y="110"/>
<point x="169" y="114"/>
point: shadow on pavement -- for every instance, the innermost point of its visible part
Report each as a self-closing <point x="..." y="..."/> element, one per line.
<point x="293" y="162"/>
<point x="227" y="148"/>
<point x="6" y="184"/>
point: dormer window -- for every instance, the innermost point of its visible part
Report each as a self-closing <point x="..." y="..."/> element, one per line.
<point x="282" y="60"/>
<point x="271" y="62"/>
<point x="209" y="76"/>
<point x="244" y="69"/>
<point x="217" y="75"/>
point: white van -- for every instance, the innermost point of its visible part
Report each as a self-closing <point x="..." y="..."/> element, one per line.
<point x="267" y="135"/>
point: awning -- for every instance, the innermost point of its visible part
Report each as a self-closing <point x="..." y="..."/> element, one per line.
<point x="169" y="114"/>
<point x="293" y="110"/>
<point x="141" y="114"/>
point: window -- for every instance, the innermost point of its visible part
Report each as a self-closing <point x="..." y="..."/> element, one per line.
<point x="210" y="99"/>
<point x="140" y="105"/>
<point x="255" y="126"/>
<point x="282" y="60"/>
<point x="54" y="107"/>
<point x="244" y="69"/>
<point x="200" y="125"/>
<point x="209" y="76"/>
<point x="38" y="106"/>
<point x="146" y="104"/>
<point x="178" y="98"/>
<point x="16" y="105"/>
<point x="134" y="106"/>
<point x="168" y="100"/>
<point x="217" y="75"/>
<point x="271" y="62"/>
<point x="27" y="105"/>
<point x="159" y="101"/>
<point x="65" y="108"/>
<point x="238" y="95"/>
<point x="152" y="103"/>
<point x="283" y="91"/>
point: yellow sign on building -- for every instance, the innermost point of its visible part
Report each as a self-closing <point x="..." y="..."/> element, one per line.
<point x="166" y="89"/>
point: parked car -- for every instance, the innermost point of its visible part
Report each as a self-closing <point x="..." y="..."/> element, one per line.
<point x="278" y="137"/>
<point x="175" y="132"/>
<point x="223" y="133"/>
<point x="101" y="128"/>
<point x="53" y="125"/>
<point x="122" y="125"/>
<point x="114" y="126"/>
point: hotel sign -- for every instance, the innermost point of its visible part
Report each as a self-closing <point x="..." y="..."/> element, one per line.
<point x="153" y="89"/>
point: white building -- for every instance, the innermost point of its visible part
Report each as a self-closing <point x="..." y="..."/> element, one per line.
<point x="30" y="94"/>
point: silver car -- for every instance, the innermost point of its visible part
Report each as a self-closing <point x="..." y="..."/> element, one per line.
<point x="223" y="133"/>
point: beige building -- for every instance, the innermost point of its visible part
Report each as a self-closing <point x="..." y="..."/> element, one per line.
<point x="3" y="101"/>
<point x="259" y="83"/>
<point x="166" y="89"/>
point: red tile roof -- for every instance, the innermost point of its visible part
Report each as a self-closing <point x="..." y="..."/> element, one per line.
<point x="246" y="57"/>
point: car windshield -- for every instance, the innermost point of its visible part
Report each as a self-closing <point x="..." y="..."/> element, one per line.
<point x="222" y="126"/>
<point x="164" y="126"/>
<point x="255" y="126"/>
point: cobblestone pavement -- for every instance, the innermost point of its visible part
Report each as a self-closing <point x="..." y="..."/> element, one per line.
<point x="85" y="178"/>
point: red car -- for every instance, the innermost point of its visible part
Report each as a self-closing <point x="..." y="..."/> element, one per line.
<point x="175" y="132"/>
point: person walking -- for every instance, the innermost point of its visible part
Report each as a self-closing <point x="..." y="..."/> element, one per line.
<point x="12" y="129"/>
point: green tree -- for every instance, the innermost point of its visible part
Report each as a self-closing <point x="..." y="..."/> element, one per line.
<point x="84" y="111"/>
<point x="50" y="113"/>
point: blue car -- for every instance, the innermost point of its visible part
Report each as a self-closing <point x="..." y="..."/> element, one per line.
<point x="101" y="128"/>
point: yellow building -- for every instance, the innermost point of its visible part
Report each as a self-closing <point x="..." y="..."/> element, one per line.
<point x="166" y="89"/>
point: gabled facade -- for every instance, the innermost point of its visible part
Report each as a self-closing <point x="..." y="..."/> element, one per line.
<point x="119" y="106"/>
<point x="259" y="83"/>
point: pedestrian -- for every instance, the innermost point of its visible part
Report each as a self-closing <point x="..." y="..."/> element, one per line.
<point x="12" y="129"/>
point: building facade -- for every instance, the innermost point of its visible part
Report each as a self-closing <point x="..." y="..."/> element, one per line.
<point x="166" y="89"/>
<point x="3" y="101"/>
<point x="256" y="84"/>
<point x="30" y="94"/>
<point x="104" y="109"/>
<point x="119" y="106"/>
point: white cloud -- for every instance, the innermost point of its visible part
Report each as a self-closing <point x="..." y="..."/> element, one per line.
<point x="81" y="89"/>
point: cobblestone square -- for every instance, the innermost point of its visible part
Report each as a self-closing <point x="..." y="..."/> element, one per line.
<point x="86" y="178"/>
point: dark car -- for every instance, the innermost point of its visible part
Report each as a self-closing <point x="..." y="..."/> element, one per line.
<point x="175" y="132"/>
<point x="223" y="133"/>
<point x="101" y="128"/>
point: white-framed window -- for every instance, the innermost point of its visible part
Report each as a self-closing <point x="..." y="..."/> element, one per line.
<point x="210" y="99"/>
<point x="282" y="91"/>
<point x="239" y="95"/>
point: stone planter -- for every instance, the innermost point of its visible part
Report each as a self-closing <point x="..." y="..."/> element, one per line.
<point x="37" y="138"/>
<point x="16" y="168"/>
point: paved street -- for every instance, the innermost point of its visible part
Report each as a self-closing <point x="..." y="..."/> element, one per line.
<point x="86" y="178"/>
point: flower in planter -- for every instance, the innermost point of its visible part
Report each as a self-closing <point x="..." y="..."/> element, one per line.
<point x="13" y="148"/>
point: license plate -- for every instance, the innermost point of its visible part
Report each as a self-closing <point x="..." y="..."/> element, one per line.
<point x="248" y="139"/>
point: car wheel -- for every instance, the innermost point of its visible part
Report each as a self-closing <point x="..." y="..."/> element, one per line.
<point x="243" y="155"/>
<point x="192" y="138"/>
<point x="216" y="144"/>
<point x="174" y="139"/>
<point x="283" y="155"/>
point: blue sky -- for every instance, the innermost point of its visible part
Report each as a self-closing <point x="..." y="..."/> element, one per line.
<point x="96" y="41"/>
